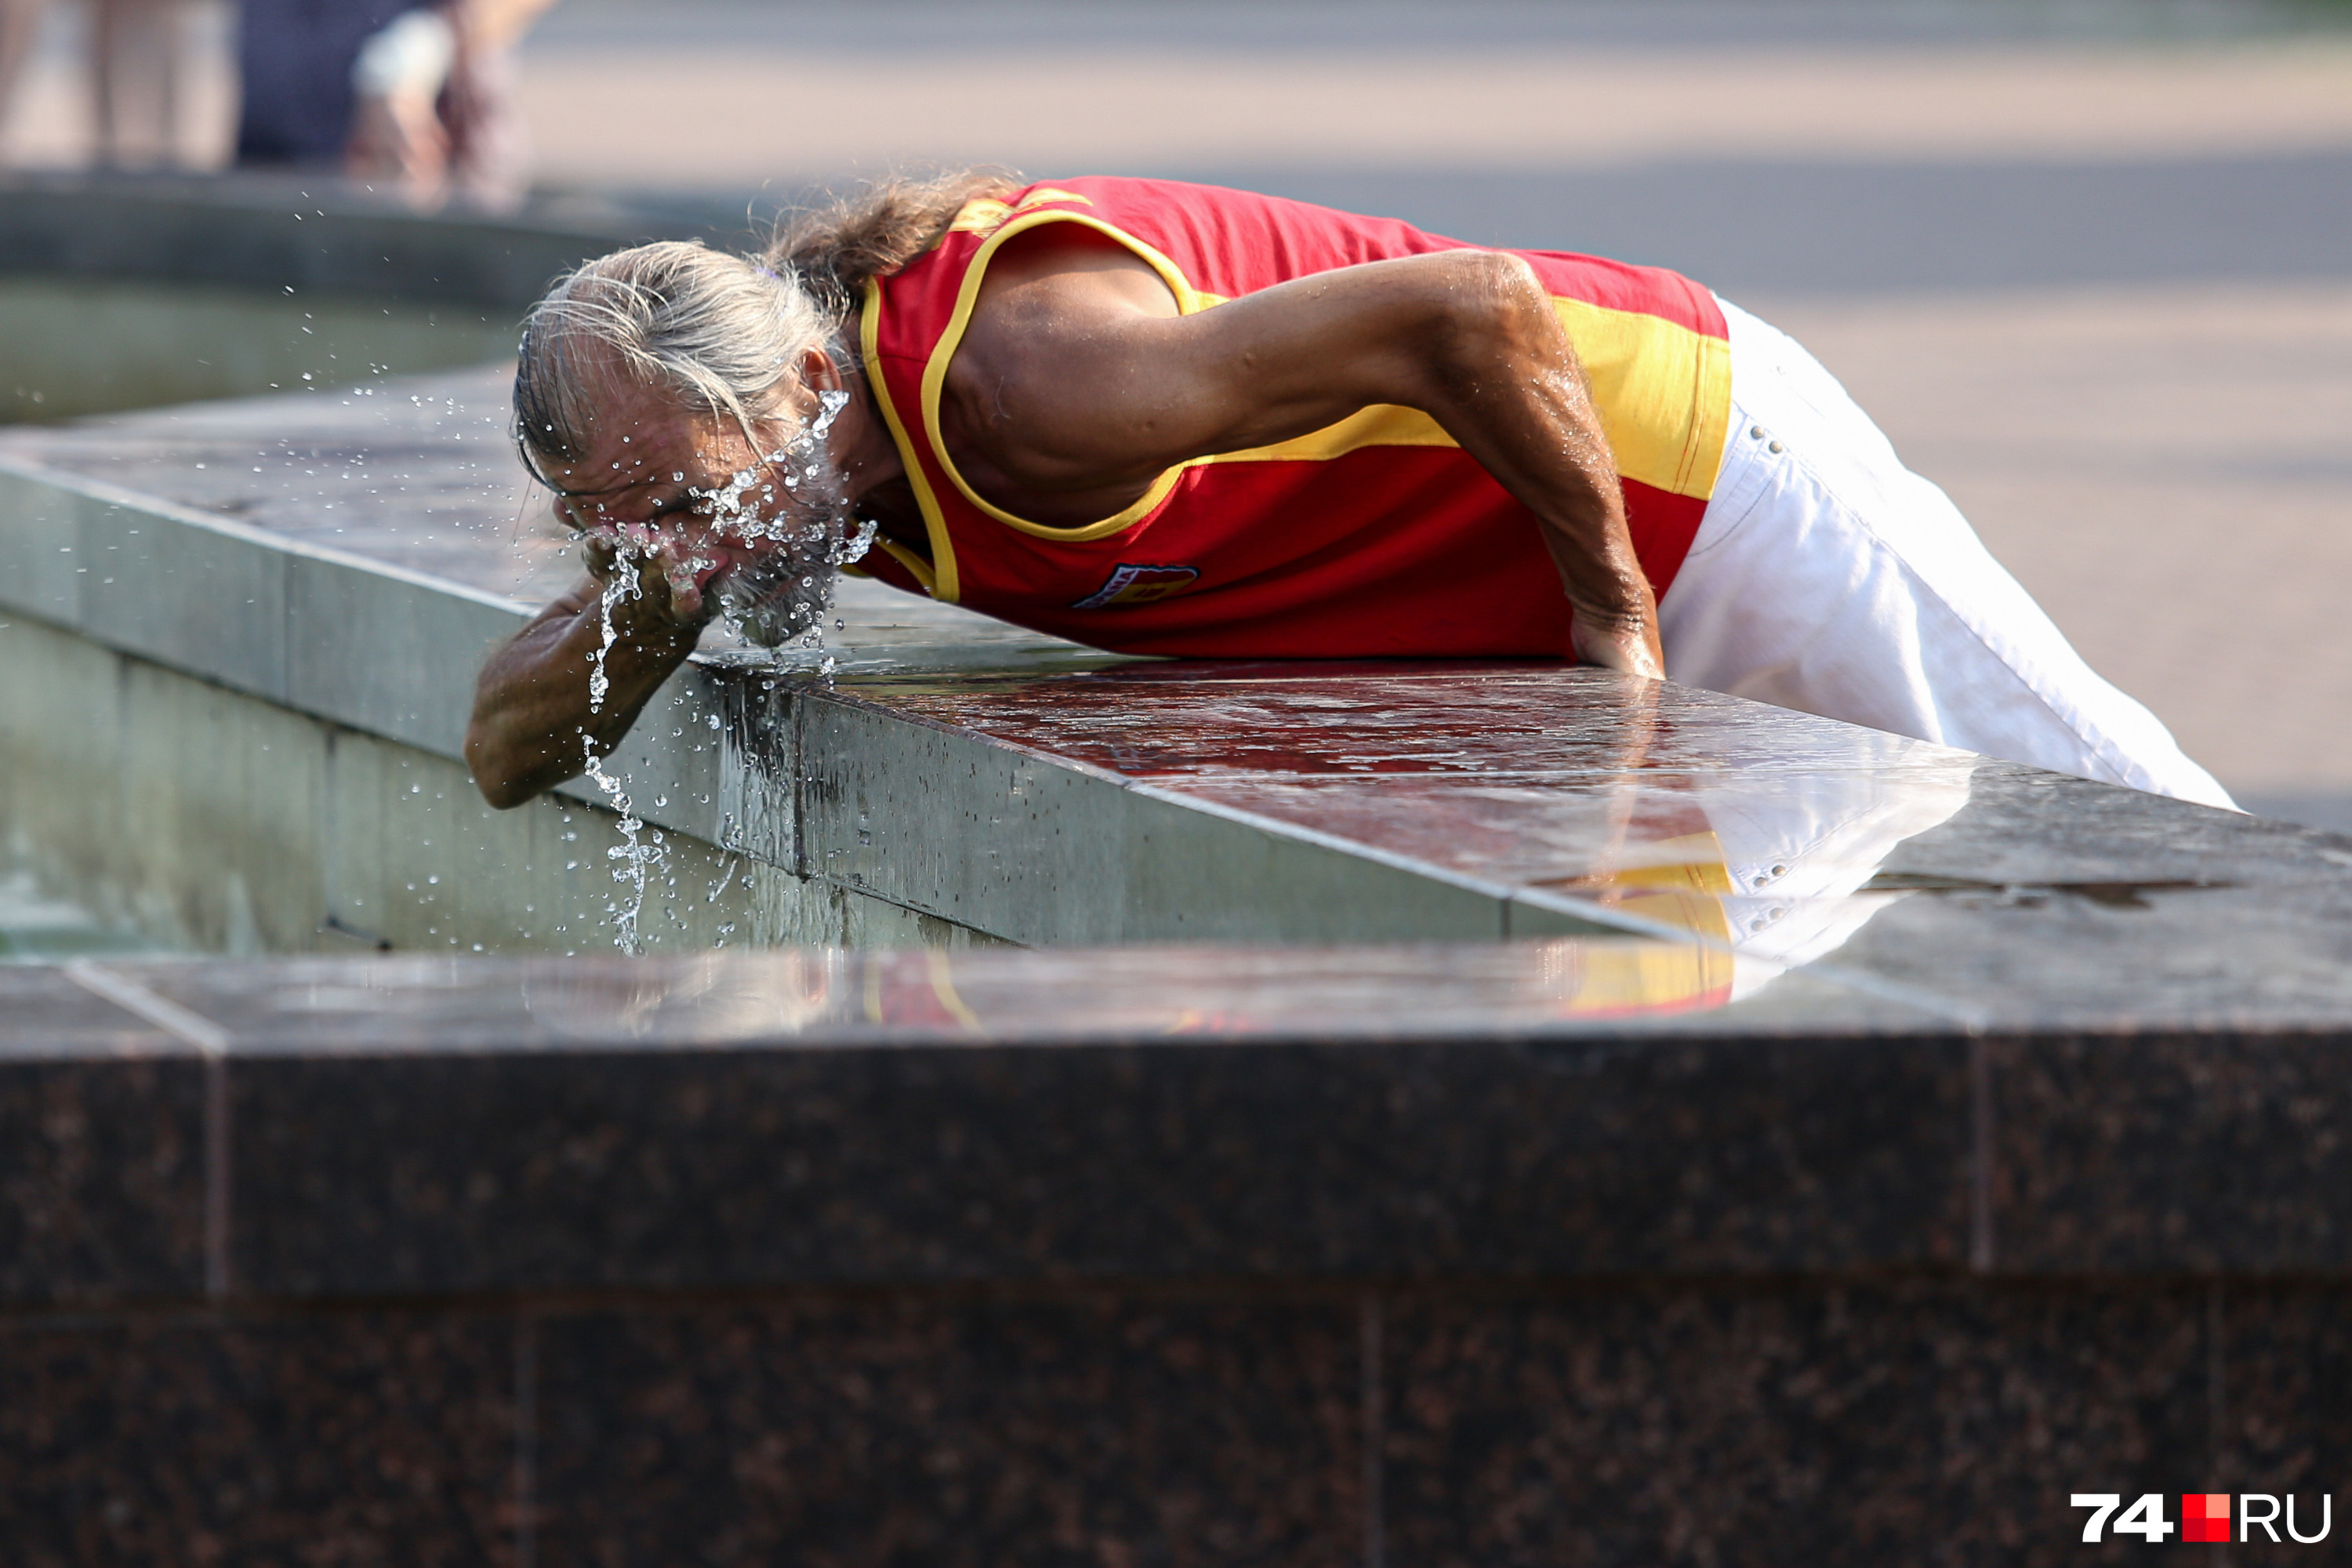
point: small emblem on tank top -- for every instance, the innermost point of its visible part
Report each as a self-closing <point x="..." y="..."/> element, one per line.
<point x="1130" y="583"/>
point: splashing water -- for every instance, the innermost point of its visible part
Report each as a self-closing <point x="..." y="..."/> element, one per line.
<point x="775" y="598"/>
<point x="802" y="537"/>
<point x="637" y="857"/>
<point x="624" y="585"/>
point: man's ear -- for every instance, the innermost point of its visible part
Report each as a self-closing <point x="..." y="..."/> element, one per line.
<point x="819" y="373"/>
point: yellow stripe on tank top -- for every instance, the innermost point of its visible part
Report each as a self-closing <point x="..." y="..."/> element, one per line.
<point x="1663" y="392"/>
<point x="935" y="371"/>
<point x="938" y="576"/>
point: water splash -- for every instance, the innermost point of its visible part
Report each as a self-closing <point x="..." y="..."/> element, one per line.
<point x="800" y="537"/>
<point x="637" y="857"/>
<point x="793" y="546"/>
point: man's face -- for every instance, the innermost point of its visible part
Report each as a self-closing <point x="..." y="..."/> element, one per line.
<point x="759" y="526"/>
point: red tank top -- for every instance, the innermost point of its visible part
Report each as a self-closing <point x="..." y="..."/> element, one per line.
<point x="1374" y="536"/>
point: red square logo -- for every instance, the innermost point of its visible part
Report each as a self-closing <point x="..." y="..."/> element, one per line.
<point x="2205" y="1516"/>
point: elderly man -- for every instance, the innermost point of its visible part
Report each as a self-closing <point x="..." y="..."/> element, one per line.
<point x="1173" y="419"/>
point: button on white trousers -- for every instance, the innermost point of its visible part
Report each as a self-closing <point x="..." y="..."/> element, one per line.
<point x="1827" y="577"/>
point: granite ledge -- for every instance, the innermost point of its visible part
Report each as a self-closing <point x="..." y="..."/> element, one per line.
<point x="801" y="1119"/>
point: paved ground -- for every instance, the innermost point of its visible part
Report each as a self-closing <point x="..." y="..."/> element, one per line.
<point x="2089" y="265"/>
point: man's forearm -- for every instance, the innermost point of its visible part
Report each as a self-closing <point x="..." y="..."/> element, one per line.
<point x="535" y="715"/>
<point x="1512" y="393"/>
<point x="1559" y="465"/>
<point x="1082" y="379"/>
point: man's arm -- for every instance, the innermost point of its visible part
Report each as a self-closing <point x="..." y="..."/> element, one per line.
<point x="532" y="701"/>
<point x="1076" y="376"/>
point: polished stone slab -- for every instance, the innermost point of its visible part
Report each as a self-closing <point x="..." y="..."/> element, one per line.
<point x="816" y="1000"/>
<point x="185" y="1438"/>
<point x="1507" y="1252"/>
<point x="102" y="1140"/>
<point x="1740" y="1423"/>
<point x="1973" y="888"/>
<point x="1867" y="1421"/>
<point x="956" y="1432"/>
<point x="1572" y="1108"/>
<point x="406" y="1125"/>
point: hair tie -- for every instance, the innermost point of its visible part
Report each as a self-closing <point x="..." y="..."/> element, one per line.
<point x="765" y="273"/>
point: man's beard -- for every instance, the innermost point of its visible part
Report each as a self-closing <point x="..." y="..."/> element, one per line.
<point x="782" y="591"/>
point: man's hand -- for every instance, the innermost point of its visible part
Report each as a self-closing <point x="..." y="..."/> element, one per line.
<point x="1631" y="648"/>
<point x="535" y="719"/>
<point x="666" y="598"/>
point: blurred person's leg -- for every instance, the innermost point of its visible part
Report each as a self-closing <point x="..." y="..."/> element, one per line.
<point x="397" y="136"/>
<point x="136" y="56"/>
<point x="20" y="27"/>
<point x="490" y="162"/>
<point x="490" y="145"/>
<point x="433" y="109"/>
<point x="1829" y="578"/>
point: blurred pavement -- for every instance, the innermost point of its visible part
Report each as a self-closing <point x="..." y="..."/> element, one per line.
<point x="2089" y="265"/>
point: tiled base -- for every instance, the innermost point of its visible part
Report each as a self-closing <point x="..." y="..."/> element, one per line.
<point x="902" y="1432"/>
<point x="101" y="1178"/>
<point x="1921" y="1420"/>
<point x="385" y="1438"/>
<point x="1860" y="1424"/>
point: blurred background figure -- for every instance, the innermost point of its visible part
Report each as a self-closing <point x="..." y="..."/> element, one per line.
<point x="416" y="97"/>
<point x="136" y="56"/>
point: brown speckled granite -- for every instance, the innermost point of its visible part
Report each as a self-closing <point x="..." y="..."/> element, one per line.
<point x="101" y="1150"/>
<point x="1860" y="1425"/>
<point x="2286" y="1405"/>
<point x="349" y="1441"/>
<point x="2132" y="1154"/>
<point x="954" y="1436"/>
<point x="756" y="1259"/>
<point x="701" y="1170"/>
<point x="101" y="1181"/>
<point x="1718" y="1422"/>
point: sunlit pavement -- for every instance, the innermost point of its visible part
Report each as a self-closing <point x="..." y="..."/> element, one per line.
<point x="2092" y="269"/>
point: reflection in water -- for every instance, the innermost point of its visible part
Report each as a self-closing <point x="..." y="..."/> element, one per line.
<point x="1740" y="879"/>
<point x="1768" y="879"/>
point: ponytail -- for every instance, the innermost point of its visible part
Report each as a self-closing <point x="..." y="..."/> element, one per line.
<point x="837" y="250"/>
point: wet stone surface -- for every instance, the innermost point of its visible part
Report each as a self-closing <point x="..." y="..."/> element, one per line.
<point x="1539" y="799"/>
<point x="1964" y="887"/>
<point x="1755" y="841"/>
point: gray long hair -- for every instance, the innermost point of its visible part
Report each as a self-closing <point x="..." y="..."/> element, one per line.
<point x="724" y="334"/>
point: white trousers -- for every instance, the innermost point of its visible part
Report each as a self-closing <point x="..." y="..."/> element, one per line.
<point x="1827" y="577"/>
